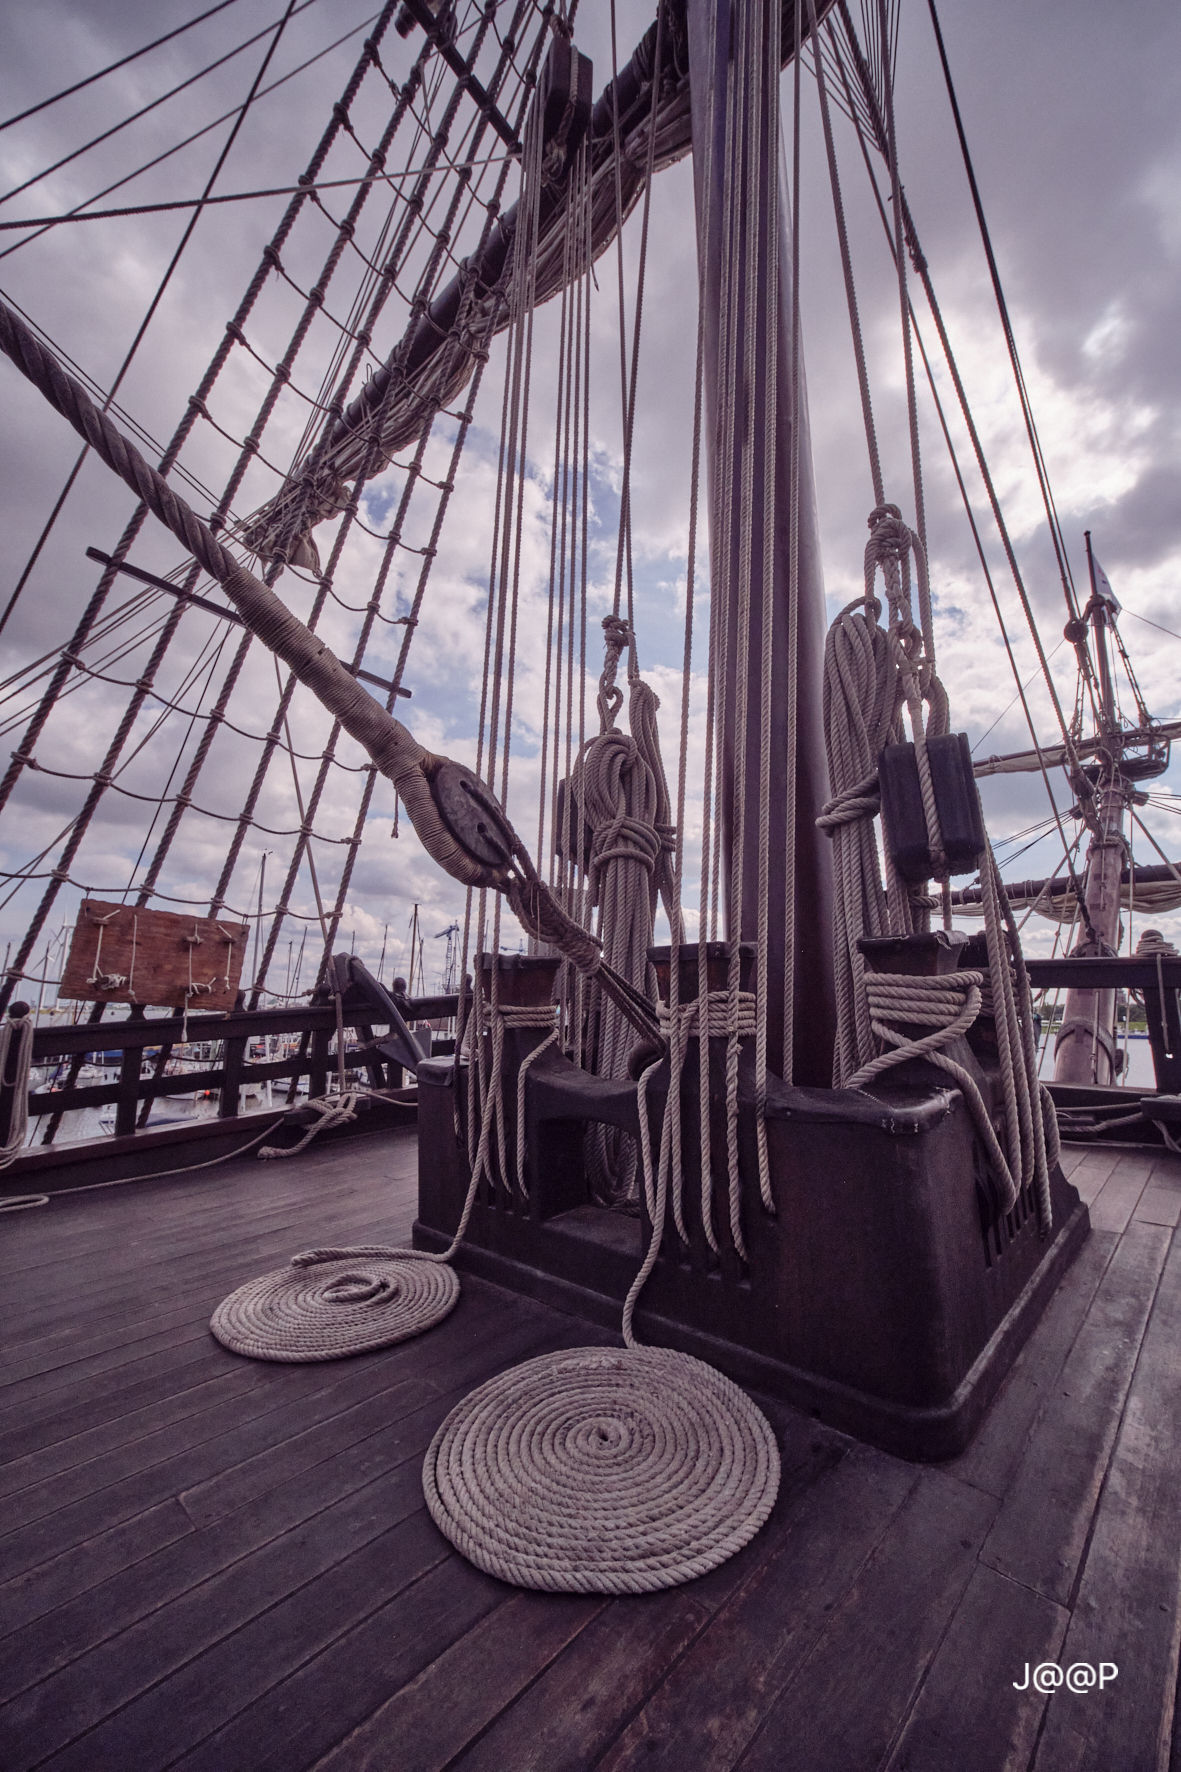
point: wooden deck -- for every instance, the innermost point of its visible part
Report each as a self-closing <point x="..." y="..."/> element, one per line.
<point x="219" y="1565"/>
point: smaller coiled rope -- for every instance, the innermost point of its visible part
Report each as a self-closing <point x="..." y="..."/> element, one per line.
<point x="332" y="1302"/>
<point x="369" y="1296"/>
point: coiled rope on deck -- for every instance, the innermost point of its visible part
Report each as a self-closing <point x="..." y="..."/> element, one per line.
<point x="610" y="1470"/>
<point x="371" y="1296"/>
<point x="602" y="1471"/>
<point x="333" y="1302"/>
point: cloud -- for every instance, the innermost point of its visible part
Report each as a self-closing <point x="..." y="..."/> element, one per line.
<point x="1076" y="142"/>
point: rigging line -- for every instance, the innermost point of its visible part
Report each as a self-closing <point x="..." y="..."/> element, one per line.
<point x="373" y="454"/>
<point x="875" y="465"/>
<point x="135" y="605"/>
<point x="213" y="663"/>
<point x="98" y="392"/>
<point x="924" y="273"/>
<point x="1045" y="665"/>
<point x="1173" y="635"/>
<point x="1002" y="528"/>
<point x="131" y="530"/>
<point x="795" y="470"/>
<point x="1056" y="534"/>
<point x="1032" y="678"/>
<point x="163" y="99"/>
<point x="45" y="222"/>
<point x="113" y="67"/>
<point x="401" y="246"/>
<point x="629" y="410"/>
<point x="143" y="327"/>
<point x="617" y="159"/>
<point x="177" y="147"/>
<point x="446" y="487"/>
<point x="174" y="707"/>
<point x="555" y="592"/>
<point x="270" y="255"/>
<point x="907" y="342"/>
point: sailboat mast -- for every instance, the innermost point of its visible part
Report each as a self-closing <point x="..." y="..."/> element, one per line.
<point x="1085" y="1051"/>
<point x="728" y="319"/>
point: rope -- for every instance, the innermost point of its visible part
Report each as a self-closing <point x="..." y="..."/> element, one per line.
<point x="602" y="1471"/>
<point x="372" y="1296"/>
<point x="17" y="1029"/>
<point x="735" y="1020"/>
<point x="326" y="1305"/>
<point x="619" y="788"/>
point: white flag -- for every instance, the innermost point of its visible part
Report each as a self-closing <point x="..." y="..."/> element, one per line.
<point x="1103" y="588"/>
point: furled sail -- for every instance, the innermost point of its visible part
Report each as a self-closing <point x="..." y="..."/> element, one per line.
<point x="434" y="359"/>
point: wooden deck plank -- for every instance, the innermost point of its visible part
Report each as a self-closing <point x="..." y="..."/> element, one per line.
<point x="1128" y="1610"/>
<point x="72" y="1443"/>
<point x="298" y="1609"/>
<point x="888" y="1628"/>
<point x="149" y="1271"/>
<point x="53" y="1584"/>
<point x="233" y="1194"/>
<point x="1158" y="1205"/>
<point x="1000" y="1443"/>
<point x="999" y="1628"/>
<point x="1042" y="1528"/>
<point x="388" y="1649"/>
<point x="708" y="1709"/>
<point x="81" y="1427"/>
<point x="143" y="1698"/>
<point x="116" y="1488"/>
<point x="465" y="1688"/>
<point x="558" y="1708"/>
<point x="324" y="1497"/>
<point x="1090" y="1175"/>
<point x="144" y="1296"/>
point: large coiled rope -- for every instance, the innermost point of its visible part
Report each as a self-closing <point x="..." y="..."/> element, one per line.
<point x="332" y="1302"/>
<point x="606" y="1470"/>
<point x="602" y="1471"/>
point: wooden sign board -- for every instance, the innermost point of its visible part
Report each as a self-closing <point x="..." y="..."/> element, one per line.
<point x="121" y="954"/>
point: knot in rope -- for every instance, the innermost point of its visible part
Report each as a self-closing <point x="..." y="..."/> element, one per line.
<point x="863" y="800"/>
<point x="625" y="839"/>
<point x="330" y="1111"/>
<point x="610" y="699"/>
<point x="949" y="1005"/>
<point x="726" y="1014"/>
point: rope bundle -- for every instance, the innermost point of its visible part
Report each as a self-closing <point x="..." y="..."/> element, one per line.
<point x="333" y="1302"/>
<point x="602" y="1471"/>
<point x="370" y="1296"/>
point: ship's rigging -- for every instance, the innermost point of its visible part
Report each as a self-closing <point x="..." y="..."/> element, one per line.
<point x="458" y="167"/>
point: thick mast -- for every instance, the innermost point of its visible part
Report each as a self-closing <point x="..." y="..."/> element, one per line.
<point x="717" y="21"/>
<point x="1085" y="1050"/>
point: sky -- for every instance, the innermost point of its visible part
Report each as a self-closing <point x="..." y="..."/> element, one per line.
<point x="1071" y="118"/>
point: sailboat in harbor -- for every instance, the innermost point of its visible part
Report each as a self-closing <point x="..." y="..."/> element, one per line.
<point x="803" y="1144"/>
